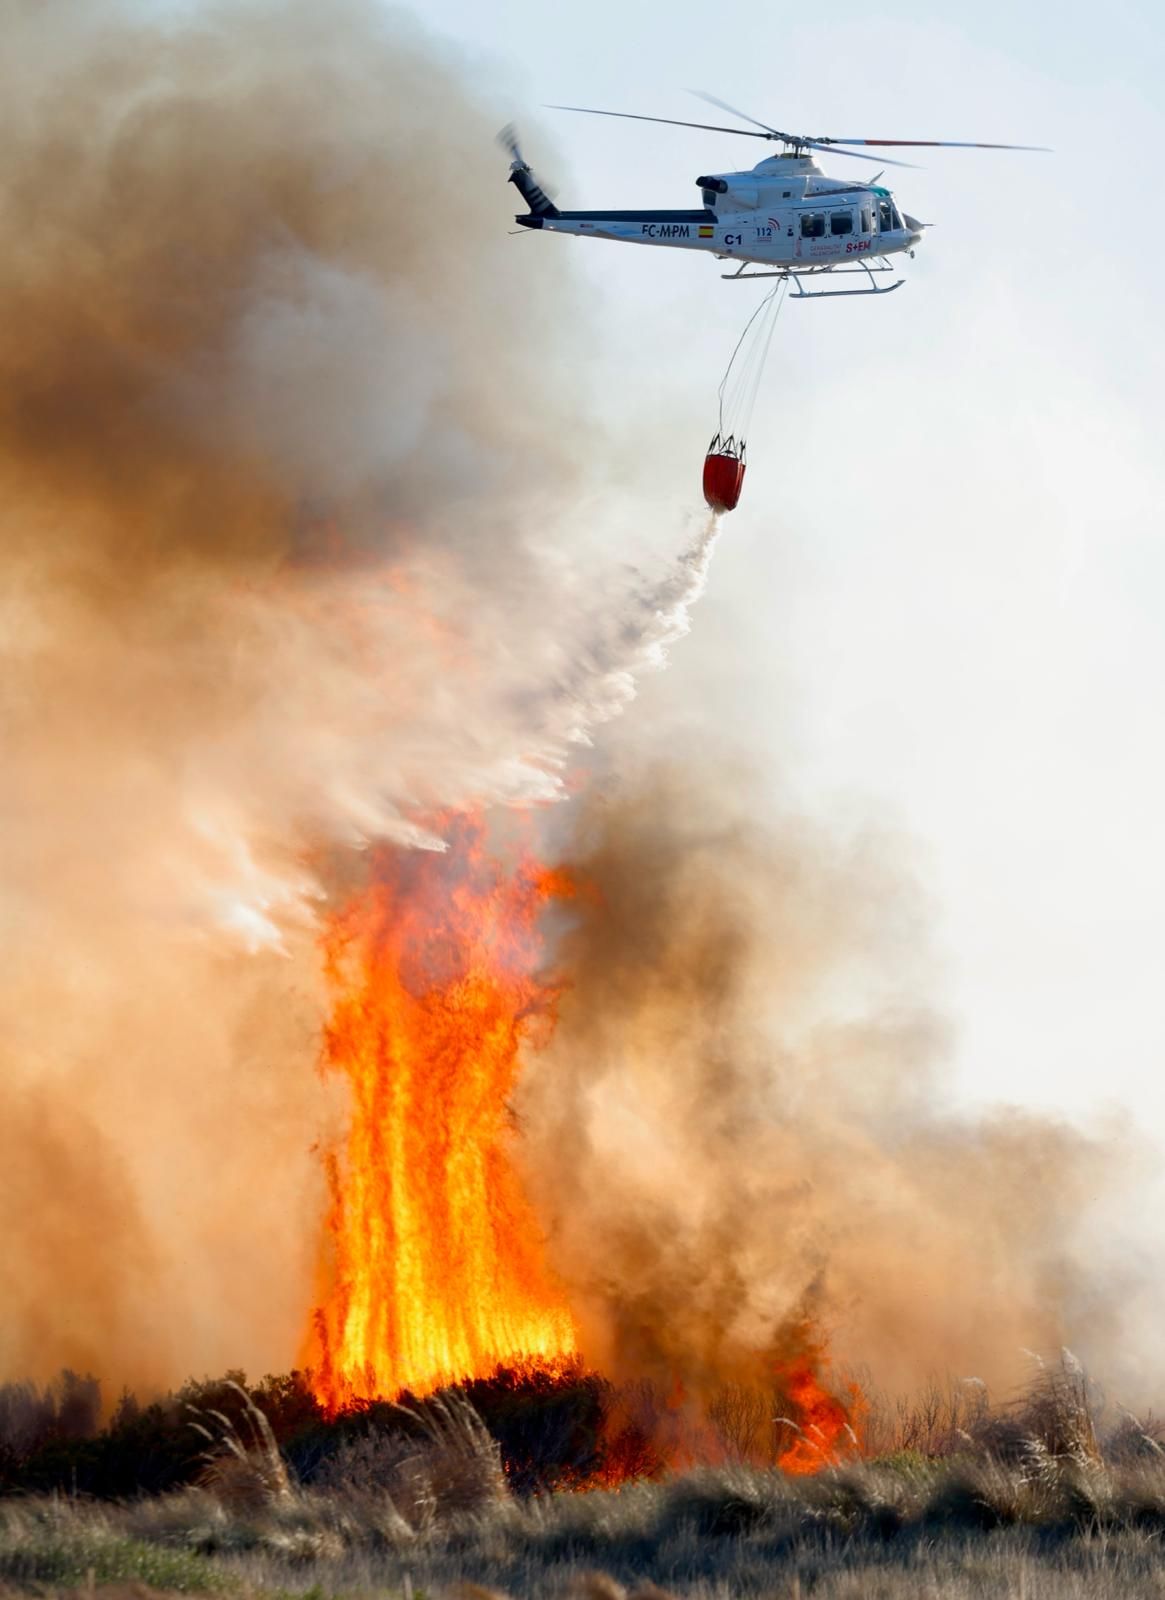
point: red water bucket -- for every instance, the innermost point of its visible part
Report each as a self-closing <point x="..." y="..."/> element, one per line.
<point x="723" y="474"/>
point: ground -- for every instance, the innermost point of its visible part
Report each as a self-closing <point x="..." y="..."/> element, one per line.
<point x="896" y="1531"/>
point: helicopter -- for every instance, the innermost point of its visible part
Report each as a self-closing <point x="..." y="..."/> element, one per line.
<point x="784" y="216"/>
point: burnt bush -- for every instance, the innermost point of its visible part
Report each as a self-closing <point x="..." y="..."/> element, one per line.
<point x="549" y="1430"/>
<point x="550" y="1427"/>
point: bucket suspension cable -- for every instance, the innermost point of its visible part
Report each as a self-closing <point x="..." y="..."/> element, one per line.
<point x="725" y="460"/>
<point x="740" y="384"/>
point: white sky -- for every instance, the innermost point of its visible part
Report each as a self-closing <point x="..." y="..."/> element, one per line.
<point x="940" y="603"/>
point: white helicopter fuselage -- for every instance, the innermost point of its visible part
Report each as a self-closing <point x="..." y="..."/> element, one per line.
<point x="784" y="214"/>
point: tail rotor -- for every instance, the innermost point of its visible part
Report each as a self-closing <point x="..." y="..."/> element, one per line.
<point x="523" y="179"/>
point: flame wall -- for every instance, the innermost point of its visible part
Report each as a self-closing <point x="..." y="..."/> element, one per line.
<point x="437" y="1268"/>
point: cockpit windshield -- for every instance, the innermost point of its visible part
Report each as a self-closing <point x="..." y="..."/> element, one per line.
<point x="888" y="219"/>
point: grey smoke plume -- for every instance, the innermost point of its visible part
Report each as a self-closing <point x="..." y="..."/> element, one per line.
<point x="301" y="545"/>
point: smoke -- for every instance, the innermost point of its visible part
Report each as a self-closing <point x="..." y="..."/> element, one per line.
<point x="310" y="532"/>
<point x="303" y="543"/>
<point x="743" y="1122"/>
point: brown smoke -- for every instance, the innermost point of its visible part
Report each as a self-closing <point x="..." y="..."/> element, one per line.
<point x="282" y="424"/>
<point x="743" y="1119"/>
<point x="301" y="545"/>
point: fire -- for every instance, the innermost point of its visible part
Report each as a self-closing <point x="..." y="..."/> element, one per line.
<point x="438" y="1269"/>
<point x="828" y="1428"/>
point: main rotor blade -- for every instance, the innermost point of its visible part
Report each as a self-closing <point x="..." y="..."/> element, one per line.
<point x="789" y="138"/>
<point x="837" y="146"/>
<point x="833" y="149"/>
<point x="732" y="111"/>
<point x="741" y="133"/>
<point x="932" y="144"/>
<point x="674" y="122"/>
<point x="825" y="142"/>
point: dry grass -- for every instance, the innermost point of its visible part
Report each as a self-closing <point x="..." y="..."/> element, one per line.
<point x="242" y="1463"/>
<point x="1038" y="1501"/>
<point x="446" y="1465"/>
<point x="973" y="1526"/>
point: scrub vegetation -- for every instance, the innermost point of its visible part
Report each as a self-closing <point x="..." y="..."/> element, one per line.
<point x="1049" y="1496"/>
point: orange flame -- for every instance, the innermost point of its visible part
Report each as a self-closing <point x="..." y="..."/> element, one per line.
<point x="828" y="1428"/>
<point x="438" y="1269"/>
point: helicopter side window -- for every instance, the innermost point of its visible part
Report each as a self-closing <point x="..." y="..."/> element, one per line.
<point x="841" y="222"/>
<point x="885" y="218"/>
<point x="813" y="225"/>
<point x="867" y="220"/>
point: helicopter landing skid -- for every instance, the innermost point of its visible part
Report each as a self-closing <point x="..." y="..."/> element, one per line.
<point x="836" y="294"/>
<point x="740" y="276"/>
